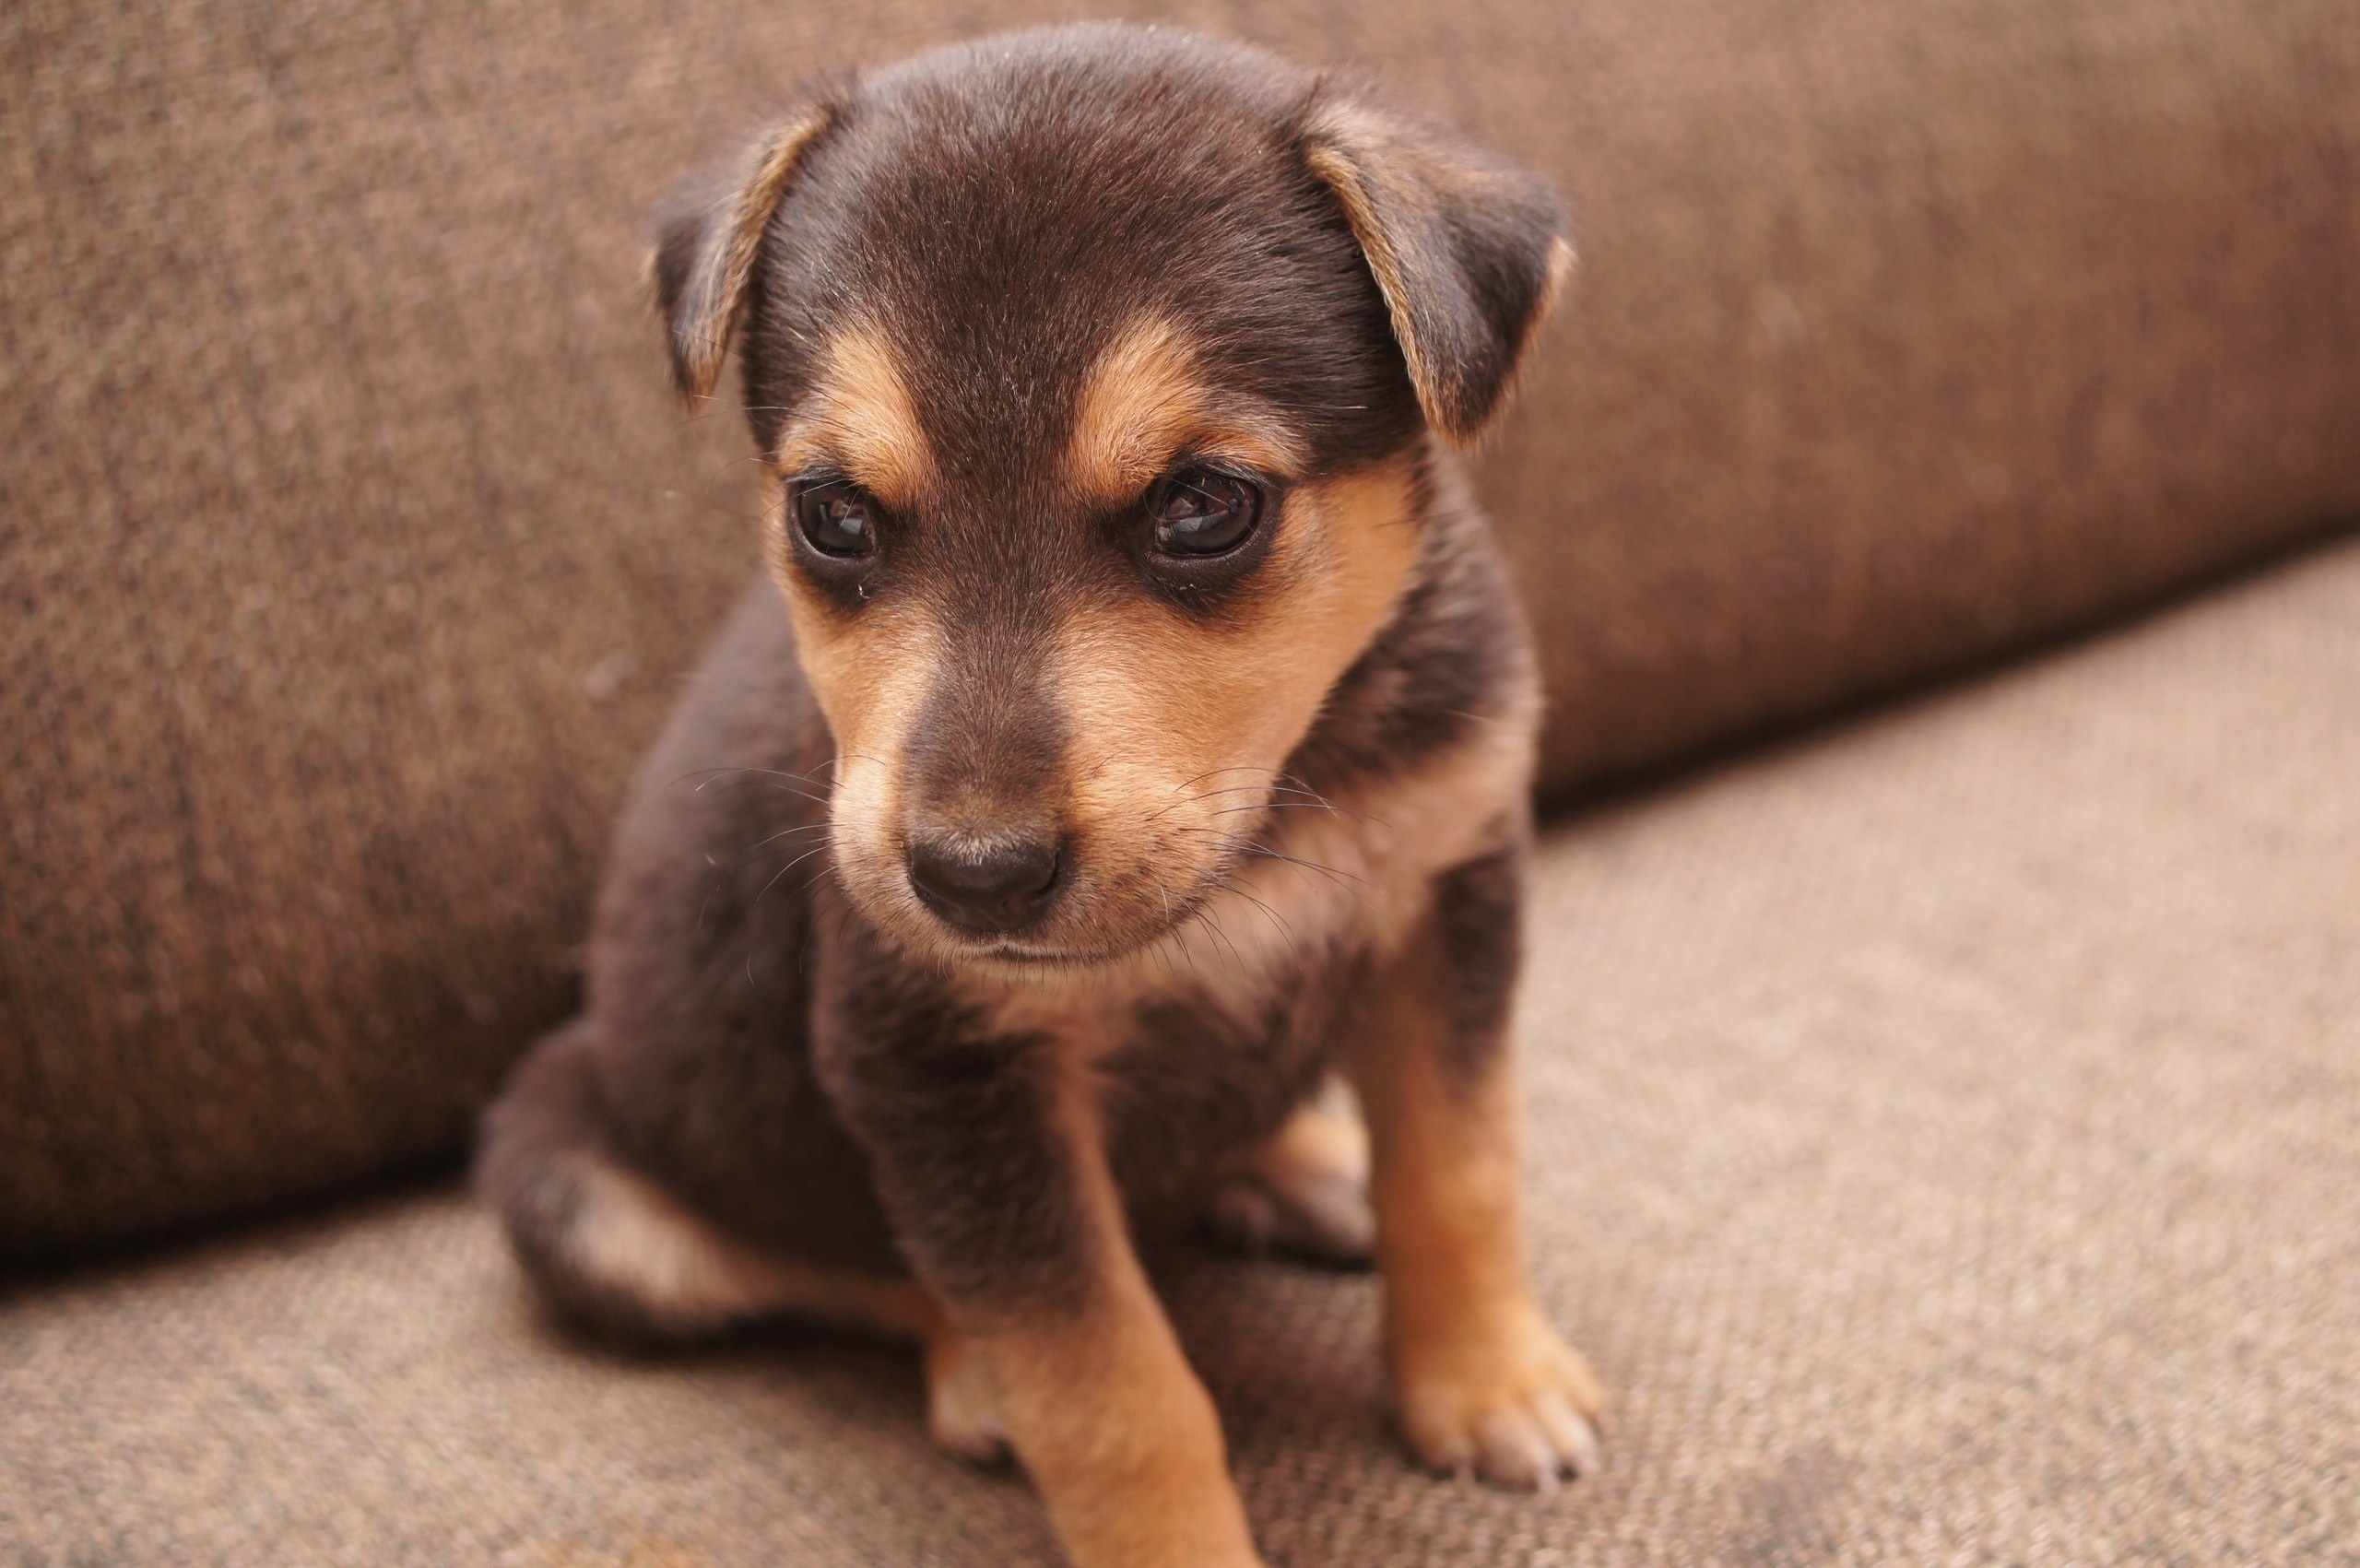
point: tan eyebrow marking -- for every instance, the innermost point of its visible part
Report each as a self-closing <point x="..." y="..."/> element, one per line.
<point x="1144" y="401"/>
<point x="862" y="421"/>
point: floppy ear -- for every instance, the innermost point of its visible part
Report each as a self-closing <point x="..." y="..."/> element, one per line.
<point x="709" y="239"/>
<point x="1467" y="251"/>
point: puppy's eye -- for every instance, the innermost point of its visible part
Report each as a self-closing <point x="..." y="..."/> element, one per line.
<point x="1203" y="512"/>
<point x="835" y="517"/>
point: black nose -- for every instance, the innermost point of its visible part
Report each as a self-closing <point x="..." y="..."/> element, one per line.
<point x="997" y="884"/>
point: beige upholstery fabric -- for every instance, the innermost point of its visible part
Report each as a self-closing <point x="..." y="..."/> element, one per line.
<point x="350" y="551"/>
<point x="1943" y="1140"/>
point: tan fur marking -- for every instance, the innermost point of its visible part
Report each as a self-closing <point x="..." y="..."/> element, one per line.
<point x="1163" y="773"/>
<point x="1384" y="844"/>
<point x="1115" y="1427"/>
<point x="1122" y="1441"/>
<point x="860" y="418"/>
<point x="1321" y="1140"/>
<point x="1562" y="261"/>
<point x="718" y="291"/>
<point x="870" y="675"/>
<point x="1307" y="1190"/>
<point x="1335" y="129"/>
<point x="1343" y="137"/>
<point x="1362" y="871"/>
<point x="1145" y="744"/>
<point x="1144" y="402"/>
<point x="634" y="1237"/>
<point x="1481" y="1377"/>
<point x="961" y="1413"/>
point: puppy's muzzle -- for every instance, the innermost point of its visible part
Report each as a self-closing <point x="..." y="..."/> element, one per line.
<point x="1000" y="884"/>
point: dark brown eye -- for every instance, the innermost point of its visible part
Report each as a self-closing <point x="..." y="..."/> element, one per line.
<point x="1203" y="512"/>
<point x="835" y="517"/>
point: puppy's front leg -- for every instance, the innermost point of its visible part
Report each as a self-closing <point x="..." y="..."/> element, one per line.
<point x="1482" y="1381"/>
<point x="988" y="1155"/>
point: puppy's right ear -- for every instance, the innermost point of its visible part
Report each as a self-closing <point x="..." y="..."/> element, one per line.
<point x="709" y="240"/>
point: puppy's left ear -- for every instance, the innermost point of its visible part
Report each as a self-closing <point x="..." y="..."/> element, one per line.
<point x="1467" y="251"/>
<point x="709" y="243"/>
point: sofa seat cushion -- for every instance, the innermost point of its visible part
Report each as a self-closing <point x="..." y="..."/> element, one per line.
<point x="1943" y="1140"/>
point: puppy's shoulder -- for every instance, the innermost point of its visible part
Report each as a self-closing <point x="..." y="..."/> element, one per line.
<point x="736" y="785"/>
<point x="1450" y="683"/>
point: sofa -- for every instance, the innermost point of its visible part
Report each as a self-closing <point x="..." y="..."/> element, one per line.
<point x="1941" y="1033"/>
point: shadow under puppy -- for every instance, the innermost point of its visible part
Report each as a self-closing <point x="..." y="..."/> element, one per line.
<point x="1139" y="730"/>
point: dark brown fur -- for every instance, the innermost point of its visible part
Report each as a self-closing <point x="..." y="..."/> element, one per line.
<point x="1478" y="909"/>
<point x="812" y="1073"/>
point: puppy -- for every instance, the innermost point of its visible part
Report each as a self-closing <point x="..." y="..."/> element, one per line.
<point x="1136" y="729"/>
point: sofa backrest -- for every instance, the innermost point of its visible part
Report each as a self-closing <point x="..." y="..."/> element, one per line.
<point x="350" y="549"/>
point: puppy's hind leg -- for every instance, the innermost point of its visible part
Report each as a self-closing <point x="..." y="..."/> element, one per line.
<point x="614" y="1251"/>
<point x="962" y="1410"/>
<point x="1305" y="1190"/>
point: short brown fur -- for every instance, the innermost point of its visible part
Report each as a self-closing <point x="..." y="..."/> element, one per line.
<point x="1133" y="736"/>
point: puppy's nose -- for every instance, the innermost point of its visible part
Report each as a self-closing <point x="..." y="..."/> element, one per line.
<point x="998" y="884"/>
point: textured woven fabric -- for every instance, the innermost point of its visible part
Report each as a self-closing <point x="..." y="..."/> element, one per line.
<point x="350" y="551"/>
<point x="1943" y="1141"/>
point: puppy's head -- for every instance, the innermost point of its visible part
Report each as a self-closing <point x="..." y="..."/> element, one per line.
<point x="1093" y="371"/>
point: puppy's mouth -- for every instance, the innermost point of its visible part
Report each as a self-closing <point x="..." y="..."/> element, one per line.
<point x="1041" y="955"/>
<point x="1046" y="958"/>
<point x="1038" y="951"/>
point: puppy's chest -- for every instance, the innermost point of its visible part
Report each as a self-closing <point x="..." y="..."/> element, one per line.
<point x="1200" y="1059"/>
<point x="1201" y="1048"/>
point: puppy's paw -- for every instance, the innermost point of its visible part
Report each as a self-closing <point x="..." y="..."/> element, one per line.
<point x="1510" y="1401"/>
<point x="1307" y="1192"/>
<point x="961" y="1412"/>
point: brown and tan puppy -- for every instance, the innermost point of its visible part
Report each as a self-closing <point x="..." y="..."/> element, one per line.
<point x="1136" y="733"/>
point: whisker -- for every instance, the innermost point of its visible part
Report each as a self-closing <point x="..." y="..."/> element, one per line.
<point x="1294" y="947"/>
<point x="1202" y="914"/>
<point x="784" y="869"/>
<point x="1245" y="847"/>
<point x="715" y="775"/>
<point x="784" y="833"/>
